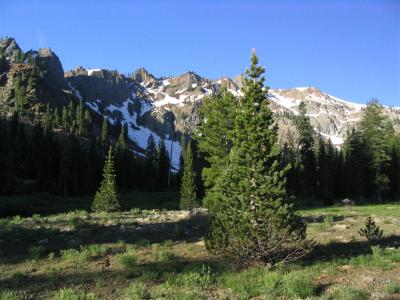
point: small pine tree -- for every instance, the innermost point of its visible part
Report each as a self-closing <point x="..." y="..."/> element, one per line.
<point x="371" y="232"/>
<point x="106" y="198"/>
<point x="188" y="191"/>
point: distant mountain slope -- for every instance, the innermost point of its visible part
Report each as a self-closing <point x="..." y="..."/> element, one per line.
<point x="165" y="107"/>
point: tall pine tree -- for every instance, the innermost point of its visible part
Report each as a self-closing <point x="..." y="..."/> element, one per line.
<point x="252" y="218"/>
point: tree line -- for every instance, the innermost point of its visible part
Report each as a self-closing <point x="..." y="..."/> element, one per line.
<point x="365" y="168"/>
<point x="63" y="153"/>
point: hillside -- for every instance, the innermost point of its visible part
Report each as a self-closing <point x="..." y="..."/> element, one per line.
<point x="165" y="107"/>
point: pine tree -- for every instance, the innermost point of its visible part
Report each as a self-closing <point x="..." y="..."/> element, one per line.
<point x="163" y="165"/>
<point x="183" y="145"/>
<point x="325" y="171"/>
<point x="371" y="232"/>
<point x="377" y="131"/>
<point x="252" y="218"/>
<point x="394" y="168"/>
<point x="20" y="94"/>
<point x="65" y="118"/>
<point x="307" y="163"/>
<point x="104" y="131"/>
<point x="86" y="123"/>
<point x="188" y="192"/>
<point x="121" y="143"/>
<point x="356" y="163"/>
<point x="106" y="198"/>
<point x="217" y="115"/>
<point x="151" y="164"/>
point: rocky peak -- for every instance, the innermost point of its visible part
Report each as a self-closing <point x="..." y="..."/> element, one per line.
<point x="143" y="77"/>
<point x="107" y="86"/>
<point x="8" y="46"/>
<point x="229" y="83"/>
<point x="239" y="81"/>
<point x="189" y="77"/>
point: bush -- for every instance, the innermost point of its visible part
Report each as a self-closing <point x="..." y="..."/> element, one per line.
<point x="299" y="284"/>
<point x="371" y="232"/>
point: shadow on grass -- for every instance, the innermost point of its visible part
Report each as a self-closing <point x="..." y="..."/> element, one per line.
<point x="338" y="250"/>
<point x="44" y="204"/>
<point x="35" y="283"/>
<point x="17" y="241"/>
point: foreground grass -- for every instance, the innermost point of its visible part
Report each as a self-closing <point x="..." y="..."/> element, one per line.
<point x="155" y="254"/>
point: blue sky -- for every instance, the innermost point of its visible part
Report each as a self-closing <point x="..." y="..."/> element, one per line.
<point x="350" y="49"/>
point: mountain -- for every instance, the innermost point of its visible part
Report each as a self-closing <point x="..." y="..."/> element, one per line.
<point x="165" y="107"/>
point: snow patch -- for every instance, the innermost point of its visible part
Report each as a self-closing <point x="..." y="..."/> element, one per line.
<point x="93" y="106"/>
<point x="90" y="71"/>
<point x="76" y="92"/>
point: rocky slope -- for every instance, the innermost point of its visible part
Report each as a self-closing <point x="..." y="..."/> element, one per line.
<point x="167" y="107"/>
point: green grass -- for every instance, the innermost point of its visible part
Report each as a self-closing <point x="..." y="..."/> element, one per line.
<point x="8" y="295"/>
<point x="357" y="210"/>
<point x="136" y="291"/>
<point x="85" y="253"/>
<point x="179" y="267"/>
<point x="347" y="293"/>
<point x="393" y="288"/>
<point x="36" y="252"/>
<point x="72" y="294"/>
<point x="299" y="284"/>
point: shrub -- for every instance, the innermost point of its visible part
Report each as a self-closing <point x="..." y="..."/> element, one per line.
<point x="72" y="294"/>
<point x="299" y="284"/>
<point x="371" y="232"/>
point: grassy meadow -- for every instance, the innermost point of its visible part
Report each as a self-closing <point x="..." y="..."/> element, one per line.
<point x="145" y="253"/>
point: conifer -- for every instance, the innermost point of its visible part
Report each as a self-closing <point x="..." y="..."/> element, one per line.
<point x="106" y="198"/>
<point x="252" y="217"/>
<point x="188" y="192"/>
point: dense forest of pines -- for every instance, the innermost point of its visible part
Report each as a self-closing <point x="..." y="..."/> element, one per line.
<point x="365" y="168"/>
<point x="62" y="154"/>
